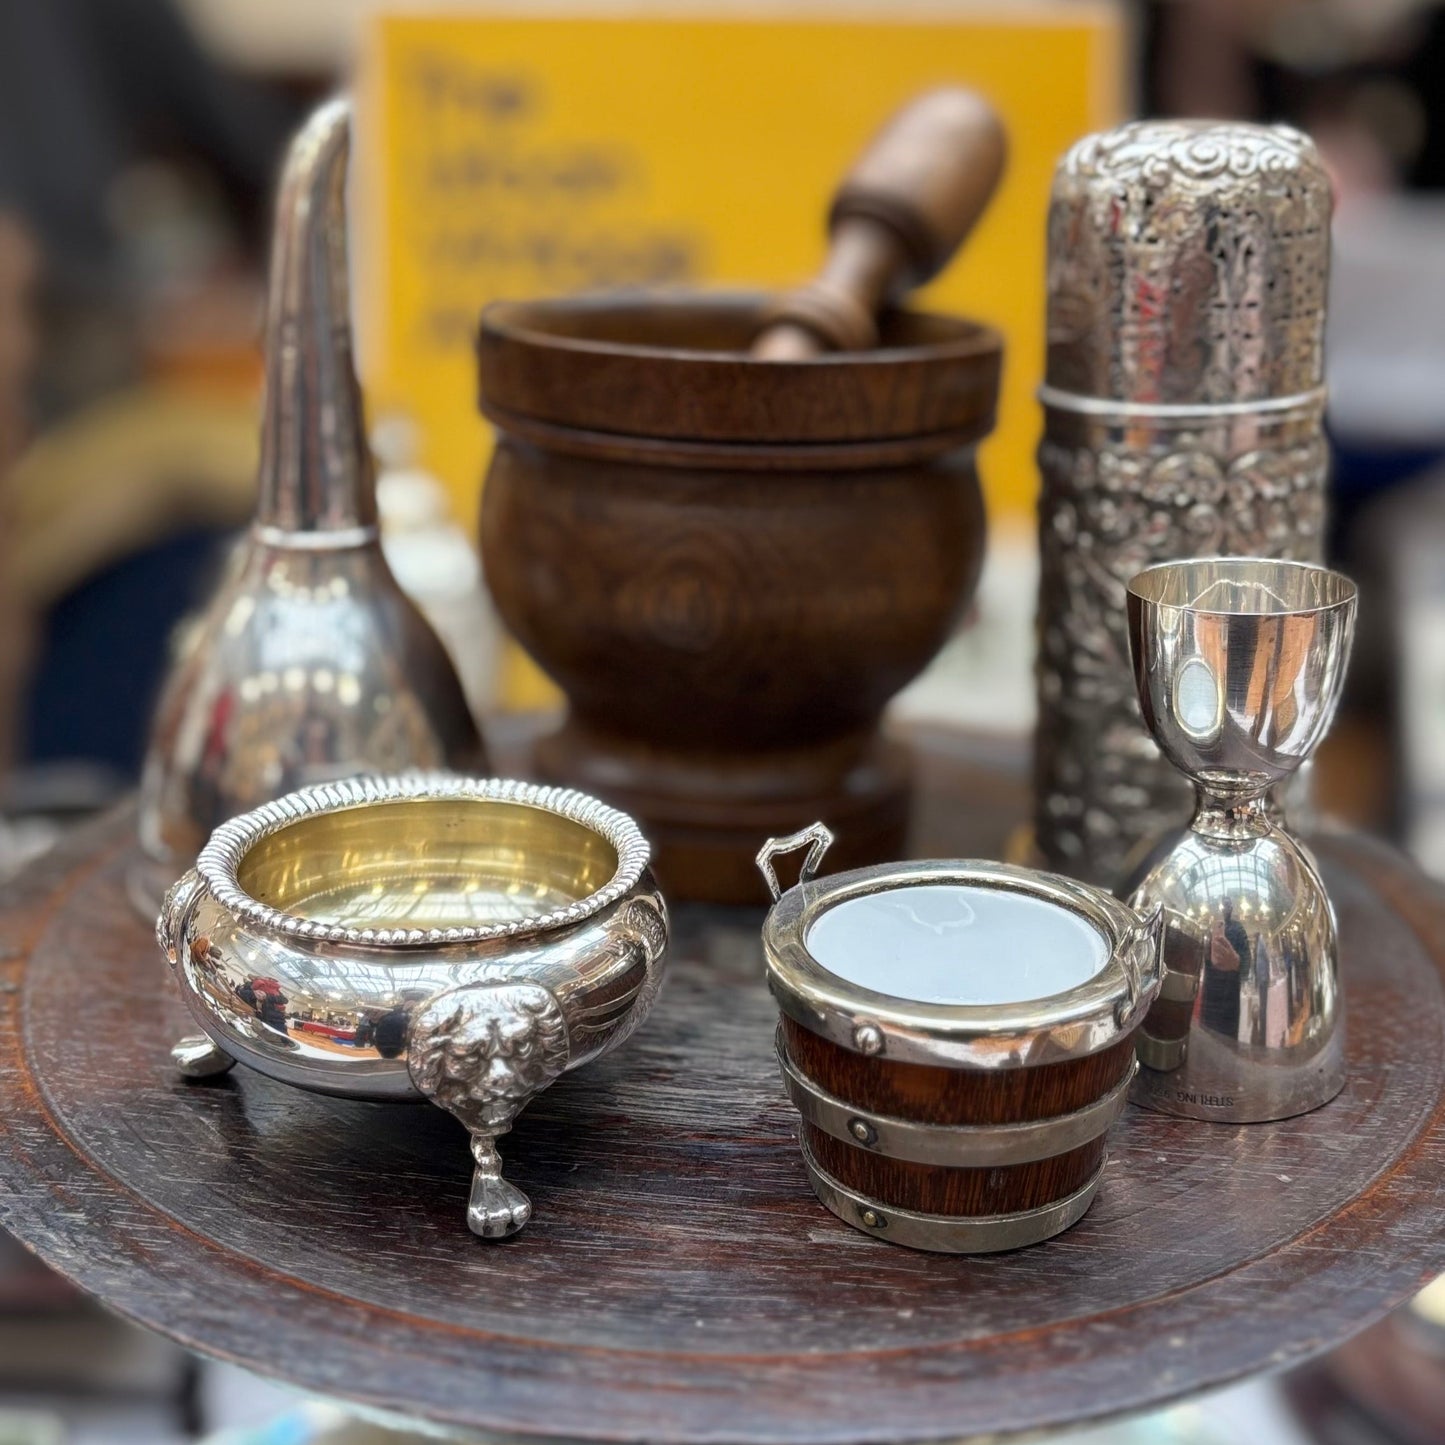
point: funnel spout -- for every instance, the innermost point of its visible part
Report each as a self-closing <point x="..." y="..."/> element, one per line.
<point x="315" y="466"/>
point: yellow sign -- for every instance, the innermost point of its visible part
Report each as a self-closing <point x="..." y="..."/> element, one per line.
<point x="525" y="157"/>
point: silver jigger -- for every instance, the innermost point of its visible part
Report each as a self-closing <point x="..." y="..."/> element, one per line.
<point x="1238" y="664"/>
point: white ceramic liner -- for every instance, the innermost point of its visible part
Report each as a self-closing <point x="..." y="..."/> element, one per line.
<point x="957" y="944"/>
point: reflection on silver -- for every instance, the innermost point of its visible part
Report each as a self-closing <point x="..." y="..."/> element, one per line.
<point x="539" y="946"/>
<point x="310" y="662"/>
<point x="1188" y="263"/>
<point x="1239" y="664"/>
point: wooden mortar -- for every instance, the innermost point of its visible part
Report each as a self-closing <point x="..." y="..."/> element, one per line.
<point x="730" y="565"/>
<point x="732" y="527"/>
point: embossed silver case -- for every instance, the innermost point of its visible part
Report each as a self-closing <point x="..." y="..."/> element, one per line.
<point x="459" y="940"/>
<point x="1183" y="403"/>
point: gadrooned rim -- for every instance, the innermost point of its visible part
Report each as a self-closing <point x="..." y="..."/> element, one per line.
<point x="221" y="857"/>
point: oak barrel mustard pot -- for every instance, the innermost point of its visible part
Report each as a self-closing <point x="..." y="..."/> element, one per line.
<point x="732" y="526"/>
<point x="958" y="1038"/>
<point x="310" y="662"/>
<point x="434" y="937"/>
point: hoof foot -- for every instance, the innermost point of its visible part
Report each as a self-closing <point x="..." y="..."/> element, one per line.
<point x="198" y="1058"/>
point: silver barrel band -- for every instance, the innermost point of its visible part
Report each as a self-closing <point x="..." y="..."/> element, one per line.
<point x="955" y="1146"/>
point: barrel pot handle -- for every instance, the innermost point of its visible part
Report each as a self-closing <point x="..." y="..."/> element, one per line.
<point x="1142" y="957"/>
<point x="818" y="836"/>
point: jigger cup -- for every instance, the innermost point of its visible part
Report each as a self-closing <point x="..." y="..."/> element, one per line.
<point x="1239" y="663"/>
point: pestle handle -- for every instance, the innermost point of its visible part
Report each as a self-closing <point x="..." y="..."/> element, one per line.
<point x="900" y="214"/>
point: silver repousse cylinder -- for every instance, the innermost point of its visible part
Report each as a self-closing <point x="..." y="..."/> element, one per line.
<point x="1183" y="404"/>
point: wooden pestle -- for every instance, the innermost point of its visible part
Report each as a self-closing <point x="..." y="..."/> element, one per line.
<point x="901" y="213"/>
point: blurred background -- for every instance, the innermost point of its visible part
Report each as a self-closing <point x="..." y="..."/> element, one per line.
<point x="138" y="144"/>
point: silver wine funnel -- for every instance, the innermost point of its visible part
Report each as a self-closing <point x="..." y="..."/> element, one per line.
<point x="310" y="663"/>
<point x="1239" y="664"/>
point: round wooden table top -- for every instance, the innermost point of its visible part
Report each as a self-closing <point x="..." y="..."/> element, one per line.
<point x="678" y="1281"/>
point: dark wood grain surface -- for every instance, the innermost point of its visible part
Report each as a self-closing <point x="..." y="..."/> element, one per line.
<point x="678" y="1282"/>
